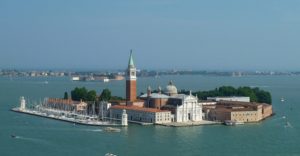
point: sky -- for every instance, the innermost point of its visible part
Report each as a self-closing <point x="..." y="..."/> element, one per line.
<point x="163" y="34"/>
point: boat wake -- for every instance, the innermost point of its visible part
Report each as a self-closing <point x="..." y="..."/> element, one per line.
<point x="288" y="125"/>
<point x="97" y="130"/>
<point x="279" y="118"/>
<point x="35" y="140"/>
<point x="110" y="154"/>
<point x="93" y="130"/>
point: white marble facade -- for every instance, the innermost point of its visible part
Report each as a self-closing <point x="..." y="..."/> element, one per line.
<point x="188" y="110"/>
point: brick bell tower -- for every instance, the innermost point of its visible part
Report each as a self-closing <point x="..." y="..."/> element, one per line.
<point x="131" y="81"/>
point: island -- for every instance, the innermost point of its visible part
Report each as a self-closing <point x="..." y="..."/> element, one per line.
<point x="165" y="106"/>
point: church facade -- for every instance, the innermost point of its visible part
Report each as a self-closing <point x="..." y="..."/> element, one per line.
<point x="184" y="108"/>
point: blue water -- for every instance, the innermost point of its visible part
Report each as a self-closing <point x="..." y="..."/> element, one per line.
<point x="39" y="136"/>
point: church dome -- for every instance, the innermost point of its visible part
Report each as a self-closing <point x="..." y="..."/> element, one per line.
<point x="171" y="89"/>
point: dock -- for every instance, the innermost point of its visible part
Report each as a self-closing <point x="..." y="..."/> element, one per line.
<point x="131" y="121"/>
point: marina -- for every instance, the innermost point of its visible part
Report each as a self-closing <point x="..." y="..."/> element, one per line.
<point x="88" y="122"/>
<point x="67" y="116"/>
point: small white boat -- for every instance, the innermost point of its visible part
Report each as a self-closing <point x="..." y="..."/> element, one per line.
<point x="233" y="123"/>
<point x="105" y="80"/>
<point x="75" y="78"/>
<point x="282" y="99"/>
<point x="239" y="123"/>
<point x="110" y="154"/>
<point x="111" y="129"/>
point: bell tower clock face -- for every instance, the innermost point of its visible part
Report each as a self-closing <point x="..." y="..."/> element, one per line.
<point x="132" y="73"/>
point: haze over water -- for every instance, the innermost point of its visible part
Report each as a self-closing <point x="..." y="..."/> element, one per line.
<point x="39" y="136"/>
<point x="164" y="34"/>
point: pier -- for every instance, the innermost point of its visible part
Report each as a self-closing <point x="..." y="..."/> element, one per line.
<point x="131" y="121"/>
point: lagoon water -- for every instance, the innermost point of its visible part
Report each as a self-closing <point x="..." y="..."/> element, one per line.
<point x="46" y="137"/>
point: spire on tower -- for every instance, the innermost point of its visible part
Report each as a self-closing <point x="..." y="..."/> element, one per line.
<point x="159" y="90"/>
<point x="131" y="63"/>
<point x="149" y="88"/>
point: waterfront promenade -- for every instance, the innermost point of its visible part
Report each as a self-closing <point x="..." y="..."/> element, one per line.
<point x="187" y="124"/>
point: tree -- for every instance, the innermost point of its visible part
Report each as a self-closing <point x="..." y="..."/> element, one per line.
<point x="116" y="98"/>
<point x="227" y="91"/>
<point x="247" y="91"/>
<point x="263" y="96"/>
<point x="255" y="94"/>
<point x="66" y="96"/>
<point x="79" y="94"/>
<point x="83" y="94"/>
<point x="91" y="95"/>
<point x="105" y="95"/>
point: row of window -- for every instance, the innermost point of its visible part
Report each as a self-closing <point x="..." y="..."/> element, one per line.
<point x="166" y="119"/>
<point x="244" y="114"/>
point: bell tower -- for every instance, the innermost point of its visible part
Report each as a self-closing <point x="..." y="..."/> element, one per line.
<point x="131" y="80"/>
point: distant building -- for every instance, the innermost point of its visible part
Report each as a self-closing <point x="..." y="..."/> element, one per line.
<point x="238" y="111"/>
<point x="75" y="78"/>
<point x="119" y="77"/>
<point x="81" y="106"/>
<point x="33" y="74"/>
<point x="66" y="104"/>
<point x="207" y="102"/>
<point x="230" y="98"/>
<point x="141" y="114"/>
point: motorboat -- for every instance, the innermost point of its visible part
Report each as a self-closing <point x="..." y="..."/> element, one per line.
<point x="13" y="136"/>
<point x="111" y="129"/>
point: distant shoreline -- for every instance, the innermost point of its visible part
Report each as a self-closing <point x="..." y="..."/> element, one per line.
<point x="112" y="74"/>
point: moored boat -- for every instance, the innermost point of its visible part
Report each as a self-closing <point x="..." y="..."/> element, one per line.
<point x="232" y="122"/>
